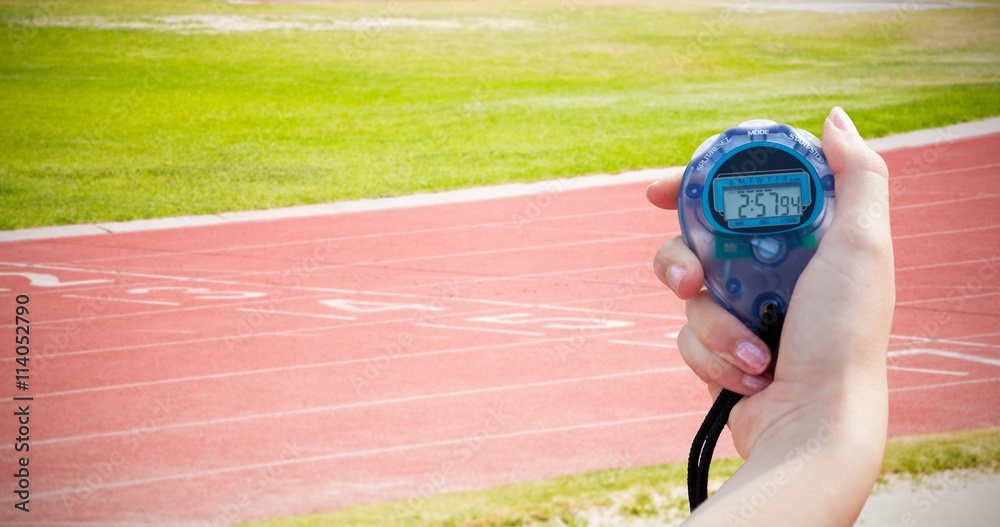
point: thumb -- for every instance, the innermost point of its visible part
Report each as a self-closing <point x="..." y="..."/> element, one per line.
<point x="850" y="279"/>
<point x="862" y="187"/>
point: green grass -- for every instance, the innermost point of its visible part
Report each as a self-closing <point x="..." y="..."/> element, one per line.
<point x="650" y="492"/>
<point x="925" y="455"/>
<point x="126" y="123"/>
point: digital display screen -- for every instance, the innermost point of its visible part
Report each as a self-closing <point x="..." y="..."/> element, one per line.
<point x="762" y="200"/>
<point x="773" y="201"/>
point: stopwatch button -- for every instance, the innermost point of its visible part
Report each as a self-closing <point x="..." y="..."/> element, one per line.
<point x="704" y="146"/>
<point x="757" y="123"/>
<point x="828" y="182"/>
<point x="767" y="250"/>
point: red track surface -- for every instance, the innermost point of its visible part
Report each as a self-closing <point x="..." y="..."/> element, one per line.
<point x="209" y="375"/>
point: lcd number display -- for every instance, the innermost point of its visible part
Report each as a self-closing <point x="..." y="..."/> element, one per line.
<point x="762" y="202"/>
<point x="758" y="201"/>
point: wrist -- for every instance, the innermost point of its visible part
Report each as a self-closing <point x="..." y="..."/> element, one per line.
<point x="818" y="472"/>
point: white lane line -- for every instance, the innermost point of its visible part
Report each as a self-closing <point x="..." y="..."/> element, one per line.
<point x="946" y="298"/>
<point x="605" y="312"/>
<point x="941" y="287"/>
<point x="314" y="295"/>
<point x="993" y="260"/>
<point x="295" y="313"/>
<point x="484" y="330"/>
<point x="947" y="354"/>
<point x="945" y="202"/>
<point x="952" y="341"/>
<point x="303" y="332"/>
<point x="962" y="170"/>
<point x="556" y="307"/>
<point x="943" y="385"/>
<point x="320" y="290"/>
<point x="925" y="370"/>
<point x="360" y="360"/>
<point x="942" y="233"/>
<point x="485" y="252"/>
<point x="109" y="299"/>
<point x="287" y="333"/>
<point x="363" y="404"/>
<point x="639" y="343"/>
<point x="333" y="239"/>
<point x="543" y="275"/>
<point x="311" y="290"/>
<point x="381" y="263"/>
<point x="300" y="332"/>
<point x="372" y="452"/>
<point x="291" y="332"/>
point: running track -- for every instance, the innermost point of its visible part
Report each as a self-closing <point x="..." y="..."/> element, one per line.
<point x="209" y="375"/>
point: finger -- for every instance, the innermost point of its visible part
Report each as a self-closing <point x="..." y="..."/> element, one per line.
<point x="677" y="267"/>
<point x="851" y="276"/>
<point x="862" y="215"/>
<point x="714" y="390"/>
<point x="714" y="370"/>
<point x="725" y="336"/>
<point x="663" y="192"/>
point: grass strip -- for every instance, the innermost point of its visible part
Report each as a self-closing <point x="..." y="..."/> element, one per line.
<point x="118" y="110"/>
<point x="655" y="493"/>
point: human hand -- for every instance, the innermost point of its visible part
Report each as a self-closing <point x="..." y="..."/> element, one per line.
<point x="832" y="362"/>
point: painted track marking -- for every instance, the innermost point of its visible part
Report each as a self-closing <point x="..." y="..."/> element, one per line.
<point x="371" y="452"/>
<point x="128" y="300"/>
<point x="483" y="330"/>
<point x="364" y="404"/>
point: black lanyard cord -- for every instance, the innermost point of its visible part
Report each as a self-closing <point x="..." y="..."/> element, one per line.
<point x="700" y="457"/>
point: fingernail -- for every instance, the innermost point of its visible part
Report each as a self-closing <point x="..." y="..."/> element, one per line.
<point x="675" y="273"/>
<point x="755" y="383"/>
<point x="751" y="355"/>
<point x="841" y="120"/>
<point x="651" y="185"/>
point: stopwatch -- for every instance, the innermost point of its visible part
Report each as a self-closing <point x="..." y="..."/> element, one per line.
<point x="754" y="203"/>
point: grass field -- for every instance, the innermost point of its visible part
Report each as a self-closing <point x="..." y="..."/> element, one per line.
<point x="657" y="494"/>
<point x="116" y="110"/>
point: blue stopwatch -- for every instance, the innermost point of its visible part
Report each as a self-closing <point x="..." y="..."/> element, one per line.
<point x="754" y="203"/>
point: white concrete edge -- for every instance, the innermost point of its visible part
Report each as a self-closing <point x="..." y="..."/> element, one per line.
<point x="883" y="144"/>
<point x="932" y="136"/>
